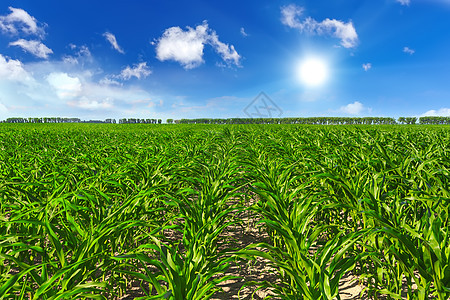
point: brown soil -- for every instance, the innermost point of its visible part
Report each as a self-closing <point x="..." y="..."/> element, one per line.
<point x="259" y="270"/>
<point x="247" y="232"/>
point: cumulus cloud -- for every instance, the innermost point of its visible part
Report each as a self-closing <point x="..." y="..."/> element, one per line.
<point x="111" y="38"/>
<point x="55" y="87"/>
<point x="80" y="92"/>
<point x="404" y="2"/>
<point x="244" y="34"/>
<point x="442" y="112"/>
<point x="186" y="46"/>
<point x="346" y="32"/>
<point x="354" y="108"/>
<point x="409" y="50"/>
<point x="101" y="98"/>
<point x="34" y="47"/>
<point x="12" y="69"/>
<point x="20" y="21"/>
<point x="139" y="71"/>
<point x="65" y="86"/>
<point x="367" y="66"/>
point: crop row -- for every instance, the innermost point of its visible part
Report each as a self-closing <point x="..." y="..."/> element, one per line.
<point x="102" y="211"/>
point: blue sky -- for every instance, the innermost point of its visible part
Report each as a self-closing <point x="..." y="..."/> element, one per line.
<point x="210" y="59"/>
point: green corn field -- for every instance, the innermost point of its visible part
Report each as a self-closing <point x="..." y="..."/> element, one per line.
<point x="135" y="211"/>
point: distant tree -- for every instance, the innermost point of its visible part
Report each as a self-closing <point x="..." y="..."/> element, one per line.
<point x="411" y="120"/>
<point x="308" y="120"/>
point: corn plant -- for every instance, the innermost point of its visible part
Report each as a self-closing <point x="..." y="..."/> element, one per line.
<point x="87" y="211"/>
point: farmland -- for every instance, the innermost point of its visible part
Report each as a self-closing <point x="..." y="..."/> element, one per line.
<point x="104" y="211"/>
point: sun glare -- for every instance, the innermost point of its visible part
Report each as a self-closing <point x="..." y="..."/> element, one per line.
<point x="313" y="71"/>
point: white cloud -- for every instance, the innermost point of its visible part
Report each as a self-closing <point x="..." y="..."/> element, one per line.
<point x="112" y="39"/>
<point x="34" y="47"/>
<point x="244" y="34"/>
<point x="65" y="86"/>
<point x="100" y="99"/>
<point x="54" y="87"/>
<point x="109" y="81"/>
<point x="367" y="66"/>
<point x="409" y="50"/>
<point x="346" y="32"/>
<point x="89" y="104"/>
<point x="139" y="71"/>
<point x="289" y="16"/>
<point x="20" y="21"/>
<point x="12" y="69"/>
<point x="70" y="59"/>
<point x="84" y="51"/>
<point x="443" y="112"/>
<point x="82" y="54"/>
<point x="404" y="2"/>
<point x="186" y="47"/>
<point x="354" y="108"/>
<point x="227" y="52"/>
<point x="86" y="96"/>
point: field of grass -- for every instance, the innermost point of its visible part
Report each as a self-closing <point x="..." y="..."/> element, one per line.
<point x="104" y="211"/>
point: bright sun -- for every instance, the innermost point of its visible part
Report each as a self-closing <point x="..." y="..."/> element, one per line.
<point x="313" y="71"/>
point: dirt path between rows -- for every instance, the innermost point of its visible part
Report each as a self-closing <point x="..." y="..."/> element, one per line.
<point x="259" y="270"/>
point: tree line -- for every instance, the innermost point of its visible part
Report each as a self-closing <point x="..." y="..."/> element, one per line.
<point x="322" y="120"/>
<point x="78" y="120"/>
<point x="434" y="120"/>
<point x="55" y="120"/>
<point x="309" y="120"/>
<point x="140" y="121"/>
